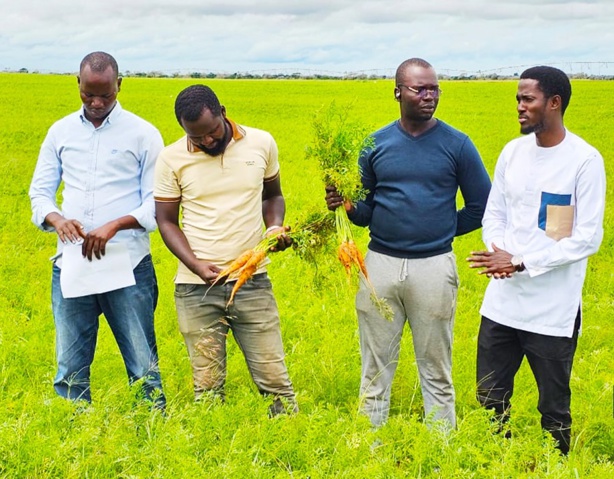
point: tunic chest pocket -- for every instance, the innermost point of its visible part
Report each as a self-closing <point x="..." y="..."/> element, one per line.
<point x="556" y="214"/>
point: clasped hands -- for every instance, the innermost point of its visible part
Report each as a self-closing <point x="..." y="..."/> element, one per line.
<point x="496" y="264"/>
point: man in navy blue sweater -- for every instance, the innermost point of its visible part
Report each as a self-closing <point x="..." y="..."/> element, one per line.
<point x="413" y="173"/>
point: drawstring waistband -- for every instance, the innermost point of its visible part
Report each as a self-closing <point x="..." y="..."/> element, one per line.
<point x="403" y="273"/>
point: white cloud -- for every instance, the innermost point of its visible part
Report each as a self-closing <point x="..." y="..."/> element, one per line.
<point x="331" y="35"/>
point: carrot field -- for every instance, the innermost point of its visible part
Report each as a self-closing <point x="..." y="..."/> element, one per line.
<point x="43" y="436"/>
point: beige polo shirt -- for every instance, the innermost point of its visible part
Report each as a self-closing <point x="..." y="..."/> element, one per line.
<point x="220" y="196"/>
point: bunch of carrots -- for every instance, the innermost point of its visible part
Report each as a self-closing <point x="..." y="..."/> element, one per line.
<point x="350" y="257"/>
<point x="244" y="267"/>
<point x="307" y="238"/>
<point x="338" y="142"/>
<point x="348" y="253"/>
<point x="337" y="145"/>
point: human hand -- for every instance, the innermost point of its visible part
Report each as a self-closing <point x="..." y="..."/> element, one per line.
<point x="334" y="200"/>
<point x="66" y="229"/>
<point x="95" y="241"/>
<point x="496" y="264"/>
<point x="283" y="240"/>
<point x="208" y="272"/>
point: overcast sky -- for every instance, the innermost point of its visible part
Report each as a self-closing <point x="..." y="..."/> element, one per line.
<point x="334" y="36"/>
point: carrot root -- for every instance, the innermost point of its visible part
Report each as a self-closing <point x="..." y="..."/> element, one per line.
<point x="236" y="265"/>
<point x="247" y="271"/>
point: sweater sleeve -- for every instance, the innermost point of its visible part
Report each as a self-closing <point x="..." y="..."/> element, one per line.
<point x="474" y="184"/>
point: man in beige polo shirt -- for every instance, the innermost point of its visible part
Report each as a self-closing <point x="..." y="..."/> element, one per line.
<point x="225" y="179"/>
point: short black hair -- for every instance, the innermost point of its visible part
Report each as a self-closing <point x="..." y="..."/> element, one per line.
<point x="551" y="82"/>
<point x="419" y="62"/>
<point x="193" y="100"/>
<point x="99" y="62"/>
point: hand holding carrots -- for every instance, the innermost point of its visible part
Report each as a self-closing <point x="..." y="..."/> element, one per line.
<point x="334" y="200"/>
<point x="208" y="272"/>
<point x="246" y="265"/>
<point x="283" y="240"/>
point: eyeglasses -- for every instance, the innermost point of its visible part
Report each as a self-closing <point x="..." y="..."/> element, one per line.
<point x="421" y="92"/>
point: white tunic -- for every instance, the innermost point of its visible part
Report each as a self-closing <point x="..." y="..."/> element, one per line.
<point x="546" y="204"/>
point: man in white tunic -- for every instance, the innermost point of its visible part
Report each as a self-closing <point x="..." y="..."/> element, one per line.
<point x="543" y="219"/>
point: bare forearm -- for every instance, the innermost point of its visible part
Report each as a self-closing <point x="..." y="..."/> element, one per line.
<point x="52" y="219"/>
<point x="274" y="211"/>
<point x="176" y="241"/>
<point x="127" y="222"/>
<point x="123" y="223"/>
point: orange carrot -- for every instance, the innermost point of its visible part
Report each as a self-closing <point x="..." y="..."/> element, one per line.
<point x="349" y="255"/>
<point x="247" y="271"/>
<point x="344" y="257"/>
<point x="256" y="259"/>
<point x="357" y="258"/>
<point x="236" y="265"/>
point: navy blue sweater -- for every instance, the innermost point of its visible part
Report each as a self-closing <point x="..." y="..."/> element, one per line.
<point x="413" y="181"/>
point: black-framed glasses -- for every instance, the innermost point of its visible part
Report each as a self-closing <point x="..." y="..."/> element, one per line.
<point x="422" y="91"/>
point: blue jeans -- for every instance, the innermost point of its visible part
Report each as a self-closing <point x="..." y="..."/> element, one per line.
<point x="129" y="312"/>
<point x="253" y="319"/>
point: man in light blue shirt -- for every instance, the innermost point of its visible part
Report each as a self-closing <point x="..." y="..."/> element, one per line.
<point x="105" y="157"/>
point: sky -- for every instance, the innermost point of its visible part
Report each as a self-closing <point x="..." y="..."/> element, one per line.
<point x="309" y="36"/>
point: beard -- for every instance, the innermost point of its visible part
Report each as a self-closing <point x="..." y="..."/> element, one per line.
<point x="217" y="150"/>
<point x="220" y="145"/>
<point x="535" y="128"/>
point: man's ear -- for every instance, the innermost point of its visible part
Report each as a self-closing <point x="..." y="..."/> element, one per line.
<point x="397" y="94"/>
<point x="555" y="102"/>
<point x="119" y="84"/>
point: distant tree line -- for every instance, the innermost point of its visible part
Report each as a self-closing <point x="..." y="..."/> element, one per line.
<point x="316" y="76"/>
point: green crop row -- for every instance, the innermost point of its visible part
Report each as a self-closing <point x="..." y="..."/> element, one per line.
<point x="44" y="436"/>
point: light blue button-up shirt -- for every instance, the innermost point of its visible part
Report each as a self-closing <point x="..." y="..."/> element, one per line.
<point x="107" y="173"/>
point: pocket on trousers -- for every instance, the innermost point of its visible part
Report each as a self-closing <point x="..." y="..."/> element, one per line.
<point x="552" y="348"/>
<point x="183" y="290"/>
<point x="259" y="281"/>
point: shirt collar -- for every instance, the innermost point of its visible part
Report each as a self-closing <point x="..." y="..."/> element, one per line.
<point x="238" y="133"/>
<point x="111" y="117"/>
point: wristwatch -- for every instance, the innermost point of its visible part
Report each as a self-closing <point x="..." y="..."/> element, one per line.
<point x="517" y="263"/>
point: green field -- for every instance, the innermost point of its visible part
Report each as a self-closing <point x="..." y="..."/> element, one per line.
<point x="44" y="436"/>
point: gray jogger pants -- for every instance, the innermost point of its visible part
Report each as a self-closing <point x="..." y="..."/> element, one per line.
<point x="423" y="293"/>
